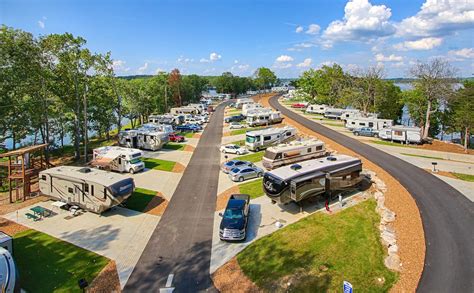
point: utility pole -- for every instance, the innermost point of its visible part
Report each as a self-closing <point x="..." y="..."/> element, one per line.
<point x="85" y="124"/>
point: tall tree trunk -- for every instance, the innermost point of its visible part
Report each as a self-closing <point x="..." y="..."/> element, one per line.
<point x="466" y="138"/>
<point x="77" y="135"/>
<point x="427" y="121"/>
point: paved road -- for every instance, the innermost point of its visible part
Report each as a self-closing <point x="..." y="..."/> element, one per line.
<point x="447" y="216"/>
<point x="181" y="244"/>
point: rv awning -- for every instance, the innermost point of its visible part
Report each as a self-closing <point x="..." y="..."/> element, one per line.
<point x="102" y="162"/>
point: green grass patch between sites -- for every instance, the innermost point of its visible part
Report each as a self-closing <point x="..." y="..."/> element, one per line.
<point x="422" y="156"/>
<point x="157" y="164"/>
<point x="465" y="177"/>
<point x="317" y="253"/>
<point x="252" y="157"/>
<point x="389" y="143"/>
<point x="239" y="142"/>
<point x="174" y="146"/>
<point x="244" y="130"/>
<point x="253" y="188"/>
<point x="334" y="124"/>
<point x="47" y="264"/>
<point x="140" y="199"/>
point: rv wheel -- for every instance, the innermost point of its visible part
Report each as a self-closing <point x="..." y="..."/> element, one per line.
<point x="257" y="149"/>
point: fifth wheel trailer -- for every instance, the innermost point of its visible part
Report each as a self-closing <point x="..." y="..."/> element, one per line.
<point x="293" y="152"/>
<point x="8" y="272"/>
<point x="91" y="189"/>
<point x="261" y="139"/>
<point x="143" y="139"/>
<point x="403" y="134"/>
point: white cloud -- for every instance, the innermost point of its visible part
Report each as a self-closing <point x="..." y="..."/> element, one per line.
<point x="421" y="44"/>
<point x="41" y="22"/>
<point x="280" y="65"/>
<point x="299" y="29"/>
<point x="391" y="58"/>
<point x="240" y="69"/>
<point x="438" y="18"/>
<point x="306" y="63"/>
<point x="143" y="68"/>
<point x="313" y="29"/>
<point x="120" y="66"/>
<point x="236" y="61"/>
<point x="284" y="58"/>
<point x="301" y="46"/>
<point x="466" y="53"/>
<point x="327" y="63"/>
<point x="204" y="60"/>
<point x="159" y="70"/>
<point x="214" y="57"/>
<point x="182" y="59"/>
<point x="362" y="21"/>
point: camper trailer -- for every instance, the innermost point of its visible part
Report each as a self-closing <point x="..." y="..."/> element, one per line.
<point x="89" y="188"/>
<point x="293" y="152"/>
<point x="261" y="139"/>
<point x="312" y="178"/>
<point x="113" y="158"/>
<point x="157" y="127"/>
<point x="316" y="109"/>
<point x="143" y="139"/>
<point x="263" y="117"/>
<point x="167" y="119"/>
<point x="247" y="108"/>
<point x="183" y="110"/>
<point x="8" y="272"/>
<point x="242" y="101"/>
<point x="350" y="113"/>
<point x="374" y="123"/>
<point x="200" y="107"/>
<point x="334" y="113"/>
<point x="403" y="134"/>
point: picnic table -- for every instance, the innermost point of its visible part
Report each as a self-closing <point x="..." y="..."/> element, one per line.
<point x="40" y="211"/>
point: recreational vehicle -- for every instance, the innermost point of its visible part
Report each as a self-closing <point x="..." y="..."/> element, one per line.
<point x="165" y="119"/>
<point x="183" y="110"/>
<point x="333" y="113"/>
<point x="403" y="134"/>
<point x="200" y="107"/>
<point x="261" y="139"/>
<point x="246" y="108"/>
<point x="263" y="117"/>
<point x="242" y="101"/>
<point x="316" y="109"/>
<point x="350" y="113"/>
<point x="374" y="123"/>
<point x="157" y="127"/>
<point x="118" y="159"/>
<point x="91" y="189"/>
<point x="143" y="139"/>
<point x="312" y="178"/>
<point x="8" y="272"/>
<point x="293" y="152"/>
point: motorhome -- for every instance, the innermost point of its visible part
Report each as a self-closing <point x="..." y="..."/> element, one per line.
<point x="263" y="117"/>
<point x="303" y="180"/>
<point x="200" y="107"/>
<point x="91" y="189"/>
<point x="157" y="127"/>
<point x="261" y="139"/>
<point x="246" y="108"/>
<point x="403" y="134"/>
<point x="184" y="110"/>
<point x="374" y="123"/>
<point x="114" y="158"/>
<point x="143" y="139"/>
<point x="293" y="152"/>
<point x="242" y="101"/>
<point x="316" y="109"/>
<point x="333" y="113"/>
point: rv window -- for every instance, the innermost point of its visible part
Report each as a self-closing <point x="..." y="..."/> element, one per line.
<point x="92" y="190"/>
<point x="70" y="190"/>
<point x="120" y="161"/>
<point x="362" y="123"/>
<point x="353" y="123"/>
<point x="105" y="192"/>
<point x="278" y="156"/>
<point x="43" y="177"/>
<point x="309" y="150"/>
<point x="265" y="138"/>
<point x="127" y="140"/>
<point x="371" y="124"/>
<point x="398" y="132"/>
<point x="86" y="188"/>
<point x="319" y="147"/>
<point x="288" y="133"/>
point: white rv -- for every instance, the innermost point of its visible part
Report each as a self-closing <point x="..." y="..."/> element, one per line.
<point x="293" y="152"/>
<point x="8" y="272"/>
<point x="200" y="107"/>
<point x="164" y="119"/>
<point x="374" y="123"/>
<point x="247" y="108"/>
<point x="242" y="101"/>
<point x="263" y="117"/>
<point x="334" y="113"/>
<point x="260" y="139"/>
<point x="184" y="110"/>
<point x="403" y="134"/>
<point x="316" y="109"/>
<point x="143" y="139"/>
<point x="118" y="159"/>
<point x="89" y="188"/>
<point x="157" y="127"/>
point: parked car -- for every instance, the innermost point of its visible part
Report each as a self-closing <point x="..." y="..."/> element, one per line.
<point x="176" y="138"/>
<point x="233" y="149"/>
<point x="229" y="165"/>
<point x="237" y="125"/>
<point x="235" y="218"/>
<point x="365" y="131"/>
<point x="235" y="118"/>
<point x="193" y="120"/>
<point x="244" y="173"/>
<point x="299" y="105"/>
<point x="188" y="127"/>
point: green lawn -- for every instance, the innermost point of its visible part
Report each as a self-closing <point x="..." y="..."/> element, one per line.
<point x="140" y="199"/>
<point x="252" y="157"/>
<point x="186" y="134"/>
<point x="244" y="130"/>
<point x="347" y="244"/>
<point x="174" y="146"/>
<point x="47" y="264"/>
<point x="239" y="142"/>
<point x="465" y="177"/>
<point x="252" y="188"/>
<point x="158" y="164"/>
<point x="334" y="124"/>
<point x="384" y="142"/>
<point x="422" y="156"/>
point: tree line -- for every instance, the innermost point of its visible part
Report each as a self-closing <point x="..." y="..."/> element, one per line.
<point x="434" y="103"/>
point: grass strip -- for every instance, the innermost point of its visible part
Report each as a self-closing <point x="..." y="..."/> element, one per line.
<point x="253" y="188"/>
<point x="140" y="199"/>
<point x="157" y="164"/>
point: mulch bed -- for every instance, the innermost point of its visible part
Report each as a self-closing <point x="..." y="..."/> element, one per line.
<point x="230" y="278"/>
<point x="223" y="198"/>
<point x="107" y="280"/>
<point x="157" y="205"/>
<point x="11" y="228"/>
<point x="178" y="168"/>
<point x="11" y="207"/>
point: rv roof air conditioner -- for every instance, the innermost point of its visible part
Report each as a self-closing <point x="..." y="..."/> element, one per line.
<point x="331" y="158"/>
<point x="85" y="170"/>
<point x="295" y="167"/>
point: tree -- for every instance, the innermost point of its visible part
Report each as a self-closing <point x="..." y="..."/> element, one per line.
<point x="264" y="78"/>
<point x="174" y="81"/>
<point x="434" y="81"/>
<point x="462" y="110"/>
<point x="310" y="83"/>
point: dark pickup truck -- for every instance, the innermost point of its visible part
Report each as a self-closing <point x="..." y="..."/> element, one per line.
<point x="235" y="118"/>
<point x="235" y="218"/>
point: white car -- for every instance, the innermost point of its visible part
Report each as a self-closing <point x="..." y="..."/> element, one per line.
<point x="194" y="121"/>
<point x="237" y="125"/>
<point x="233" y="149"/>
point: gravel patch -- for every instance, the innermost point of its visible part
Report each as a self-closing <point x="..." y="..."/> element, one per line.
<point x="107" y="280"/>
<point x="230" y="278"/>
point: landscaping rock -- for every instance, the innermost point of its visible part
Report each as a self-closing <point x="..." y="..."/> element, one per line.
<point x="393" y="249"/>
<point x="388" y="238"/>
<point x="392" y="261"/>
<point x="388" y="216"/>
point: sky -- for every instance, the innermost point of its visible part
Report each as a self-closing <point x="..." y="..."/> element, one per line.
<point x="210" y="37"/>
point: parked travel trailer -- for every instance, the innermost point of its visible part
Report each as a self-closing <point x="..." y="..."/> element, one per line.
<point x="374" y="123"/>
<point x="200" y="107"/>
<point x="89" y="188"/>
<point x="8" y="272"/>
<point x="165" y="119"/>
<point x="184" y="110"/>
<point x="293" y="152"/>
<point x="263" y="117"/>
<point x="246" y="108"/>
<point x="261" y="139"/>
<point x="316" y="109"/>
<point x="240" y="102"/>
<point x="333" y="113"/>
<point x="143" y="139"/>
<point x="312" y="178"/>
<point x="350" y="113"/>
<point x="403" y="134"/>
<point x="114" y="158"/>
<point x="157" y="127"/>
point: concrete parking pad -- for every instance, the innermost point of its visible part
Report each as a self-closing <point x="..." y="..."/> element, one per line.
<point x="162" y="181"/>
<point x="181" y="157"/>
<point x="119" y="234"/>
